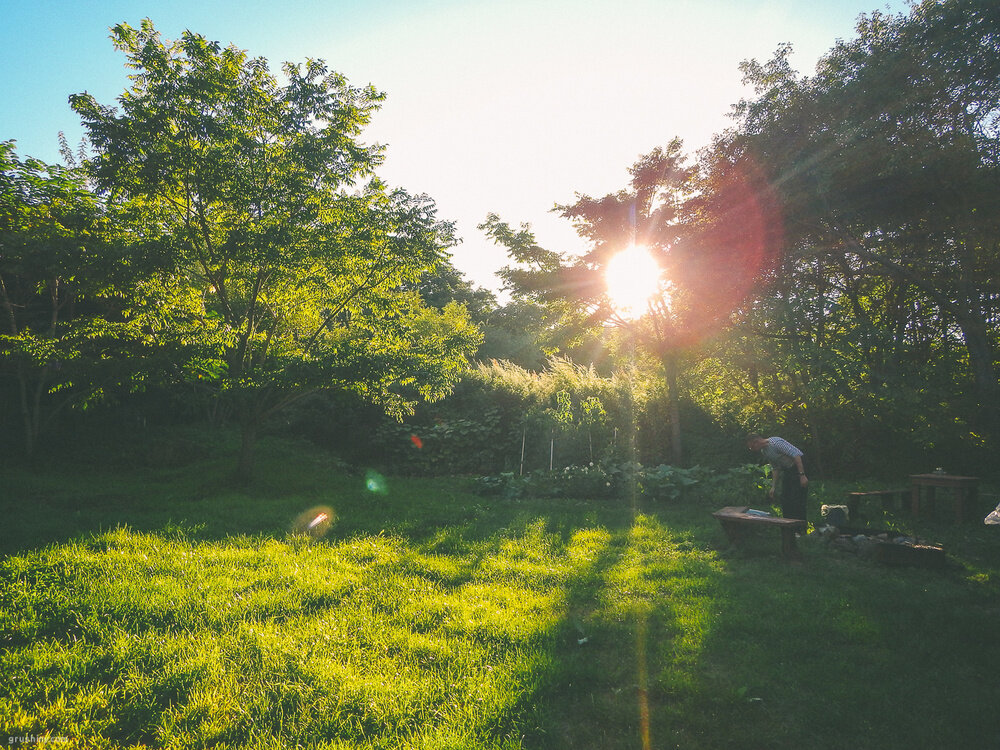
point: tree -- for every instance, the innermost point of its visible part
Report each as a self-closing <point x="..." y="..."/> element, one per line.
<point x="66" y="316"/>
<point x="885" y="164"/>
<point x="263" y="198"/>
<point x="713" y="242"/>
<point x="648" y="213"/>
<point x="700" y="285"/>
<point x="445" y="284"/>
<point x="543" y="318"/>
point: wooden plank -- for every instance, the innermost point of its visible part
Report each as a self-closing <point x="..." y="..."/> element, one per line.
<point x="738" y="514"/>
<point x="734" y="519"/>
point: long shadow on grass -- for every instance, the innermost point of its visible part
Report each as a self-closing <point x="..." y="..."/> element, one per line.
<point x="690" y="645"/>
<point x="841" y="652"/>
<point x="662" y="637"/>
<point x="634" y="595"/>
<point x="670" y="639"/>
<point x="633" y="630"/>
<point x="634" y="603"/>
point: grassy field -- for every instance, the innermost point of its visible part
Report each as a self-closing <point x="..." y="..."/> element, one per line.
<point x="163" y="607"/>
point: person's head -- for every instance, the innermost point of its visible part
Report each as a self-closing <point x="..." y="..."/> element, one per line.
<point x="755" y="442"/>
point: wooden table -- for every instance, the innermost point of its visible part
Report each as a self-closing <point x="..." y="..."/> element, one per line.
<point x="735" y="519"/>
<point x="963" y="489"/>
<point x="888" y="498"/>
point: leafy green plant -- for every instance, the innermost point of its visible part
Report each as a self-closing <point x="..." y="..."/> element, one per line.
<point x="449" y="446"/>
<point x="665" y="482"/>
<point x="260" y="199"/>
<point x="617" y="480"/>
<point x="739" y="485"/>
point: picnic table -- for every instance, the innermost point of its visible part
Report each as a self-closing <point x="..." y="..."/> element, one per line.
<point x="735" y="520"/>
<point x="964" y="489"/>
<point x="888" y="497"/>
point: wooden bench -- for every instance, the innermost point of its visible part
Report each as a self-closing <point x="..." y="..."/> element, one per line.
<point x="888" y="498"/>
<point x="735" y="520"/>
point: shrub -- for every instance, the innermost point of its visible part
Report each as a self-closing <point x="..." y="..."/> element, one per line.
<point x="740" y="485"/>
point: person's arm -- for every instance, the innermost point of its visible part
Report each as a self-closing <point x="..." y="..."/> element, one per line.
<point x="803" y="480"/>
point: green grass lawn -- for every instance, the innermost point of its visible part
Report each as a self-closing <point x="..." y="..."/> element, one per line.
<point x="163" y="607"/>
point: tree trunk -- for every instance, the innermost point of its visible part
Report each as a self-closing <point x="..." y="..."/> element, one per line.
<point x="31" y="406"/>
<point x="673" y="409"/>
<point x="981" y="357"/>
<point x="248" y="441"/>
<point x="29" y="432"/>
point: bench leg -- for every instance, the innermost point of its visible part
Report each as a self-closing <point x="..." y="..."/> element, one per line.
<point x="733" y="532"/>
<point x="788" y="548"/>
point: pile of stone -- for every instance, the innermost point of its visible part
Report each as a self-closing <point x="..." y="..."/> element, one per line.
<point x="885" y="547"/>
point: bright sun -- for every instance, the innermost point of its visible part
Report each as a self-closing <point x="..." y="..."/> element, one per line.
<point x="633" y="277"/>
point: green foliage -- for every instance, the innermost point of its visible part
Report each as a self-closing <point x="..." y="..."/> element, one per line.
<point x="228" y="253"/>
<point x="451" y="446"/>
<point x="261" y="196"/>
<point x="739" y="485"/>
<point x="592" y="411"/>
<point x="503" y="418"/>
<point x="665" y="482"/>
<point x="445" y="284"/>
<point x="650" y="212"/>
<point x="500" y="411"/>
<point x="76" y="310"/>
<point x="540" y="321"/>
<point x="562" y="414"/>
<point x="877" y="318"/>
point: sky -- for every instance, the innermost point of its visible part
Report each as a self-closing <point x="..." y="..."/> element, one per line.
<point x="502" y="106"/>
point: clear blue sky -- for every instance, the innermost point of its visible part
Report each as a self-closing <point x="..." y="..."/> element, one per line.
<point x="506" y="106"/>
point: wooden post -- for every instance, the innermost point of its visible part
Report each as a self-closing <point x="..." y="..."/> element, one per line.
<point x="524" y="431"/>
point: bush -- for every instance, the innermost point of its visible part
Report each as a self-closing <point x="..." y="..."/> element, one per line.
<point x="665" y="482"/>
<point x="573" y="481"/>
<point x="737" y="486"/>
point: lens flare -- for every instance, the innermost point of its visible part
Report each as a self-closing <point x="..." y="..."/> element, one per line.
<point x="734" y="253"/>
<point x="315" y="522"/>
<point x="375" y="483"/>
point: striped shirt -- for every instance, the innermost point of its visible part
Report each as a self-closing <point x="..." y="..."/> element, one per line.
<point x="780" y="453"/>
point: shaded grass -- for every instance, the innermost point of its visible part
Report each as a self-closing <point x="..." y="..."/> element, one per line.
<point x="430" y="618"/>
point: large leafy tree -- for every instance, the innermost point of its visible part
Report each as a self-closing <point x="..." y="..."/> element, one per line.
<point x="261" y="195"/>
<point x="540" y="320"/>
<point x="886" y="164"/>
<point x="699" y="283"/>
<point x="712" y="243"/>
